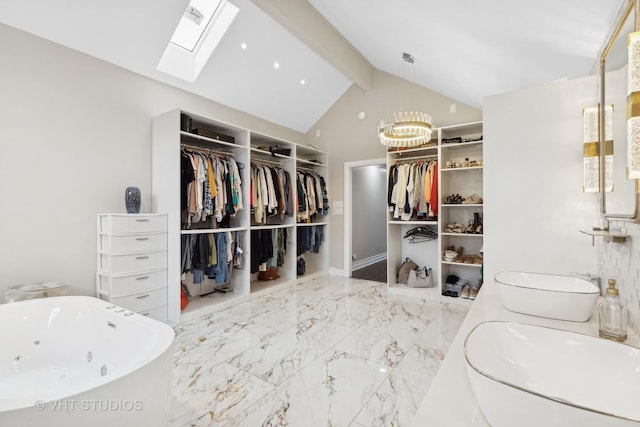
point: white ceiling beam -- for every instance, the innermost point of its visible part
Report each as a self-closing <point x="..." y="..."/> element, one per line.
<point x="304" y="22"/>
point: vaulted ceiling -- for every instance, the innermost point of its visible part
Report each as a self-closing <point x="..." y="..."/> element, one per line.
<point x="464" y="49"/>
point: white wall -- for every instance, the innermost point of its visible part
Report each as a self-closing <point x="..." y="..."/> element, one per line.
<point x="347" y="138"/>
<point x="369" y="218"/>
<point x="534" y="204"/>
<point x="74" y="133"/>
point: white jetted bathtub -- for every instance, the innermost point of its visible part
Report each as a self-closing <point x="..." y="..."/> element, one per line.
<point x="80" y="361"/>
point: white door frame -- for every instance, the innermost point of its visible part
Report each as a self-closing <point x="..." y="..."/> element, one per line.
<point x="348" y="244"/>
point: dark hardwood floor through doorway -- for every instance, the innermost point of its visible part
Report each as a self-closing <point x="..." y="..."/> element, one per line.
<point x="375" y="272"/>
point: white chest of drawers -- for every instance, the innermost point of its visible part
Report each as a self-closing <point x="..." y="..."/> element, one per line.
<point x="132" y="262"/>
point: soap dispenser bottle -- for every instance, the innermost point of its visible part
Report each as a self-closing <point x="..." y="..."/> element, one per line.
<point x="613" y="315"/>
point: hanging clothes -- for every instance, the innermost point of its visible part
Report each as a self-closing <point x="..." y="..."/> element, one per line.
<point x="309" y="239"/>
<point x="270" y="192"/>
<point x="211" y="255"/>
<point x="210" y="187"/>
<point x="412" y="190"/>
<point x="268" y="248"/>
<point x="313" y="198"/>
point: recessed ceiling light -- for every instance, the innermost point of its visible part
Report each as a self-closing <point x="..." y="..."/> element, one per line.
<point x="303" y="82"/>
<point x="243" y="46"/>
<point x="276" y="65"/>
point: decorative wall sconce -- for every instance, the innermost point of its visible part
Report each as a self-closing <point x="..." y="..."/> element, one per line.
<point x="591" y="149"/>
<point x="633" y="107"/>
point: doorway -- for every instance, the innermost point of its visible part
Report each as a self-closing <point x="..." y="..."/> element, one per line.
<point x="365" y="222"/>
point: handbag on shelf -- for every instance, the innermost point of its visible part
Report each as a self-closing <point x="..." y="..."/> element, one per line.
<point x="420" y="278"/>
<point x="403" y="273"/>
<point x="300" y="267"/>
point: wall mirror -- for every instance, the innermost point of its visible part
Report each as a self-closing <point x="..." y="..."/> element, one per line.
<point x="622" y="202"/>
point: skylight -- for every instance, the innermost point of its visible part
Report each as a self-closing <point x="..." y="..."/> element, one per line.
<point x="198" y="33"/>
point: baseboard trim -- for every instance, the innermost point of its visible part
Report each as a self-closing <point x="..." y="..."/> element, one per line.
<point x="337" y="272"/>
<point x="357" y="265"/>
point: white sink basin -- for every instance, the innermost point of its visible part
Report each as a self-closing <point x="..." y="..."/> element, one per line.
<point x="524" y="375"/>
<point x="547" y="295"/>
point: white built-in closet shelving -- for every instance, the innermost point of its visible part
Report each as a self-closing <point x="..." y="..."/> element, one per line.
<point x="248" y="146"/>
<point x="465" y="181"/>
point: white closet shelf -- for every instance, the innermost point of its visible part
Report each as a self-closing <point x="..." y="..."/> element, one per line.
<point x="400" y="153"/>
<point x="427" y="293"/>
<point x="310" y="224"/>
<point x="400" y="222"/>
<point x="271" y="227"/>
<point x="260" y="286"/>
<point x="209" y="140"/>
<point x="460" y="144"/>
<point x="469" y="168"/>
<point x="462" y="264"/>
<point x="268" y="154"/>
<point x="212" y="230"/>
<point x="169" y="136"/>
<point x="309" y="162"/>
<point x="456" y="300"/>
<point x="451" y="180"/>
<point x="199" y="305"/>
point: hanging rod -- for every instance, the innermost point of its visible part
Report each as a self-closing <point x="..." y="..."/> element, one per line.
<point x="306" y="169"/>
<point x="204" y="149"/>
<point x="404" y="159"/>
<point x="268" y="162"/>
<point x="211" y="151"/>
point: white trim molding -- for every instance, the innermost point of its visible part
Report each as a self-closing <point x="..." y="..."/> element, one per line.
<point x="357" y="265"/>
<point x="348" y="168"/>
<point x="337" y="272"/>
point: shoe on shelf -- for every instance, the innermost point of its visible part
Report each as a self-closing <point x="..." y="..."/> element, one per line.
<point x="474" y="199"/>
<point x="465" y="292"/>
<point x="453" y="199"/>
<point x="450" y="255"/>
<point x="473" y="293"/>
<point x="458" y="228"/>
<point x="471" y="227"/>
<point x="452" y="290"/>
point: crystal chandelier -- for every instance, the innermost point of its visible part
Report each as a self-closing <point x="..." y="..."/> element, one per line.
<point x="409" y="129"/>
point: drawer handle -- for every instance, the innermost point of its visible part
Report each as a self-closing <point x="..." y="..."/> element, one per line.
<point x="142" y="296"/>
<point x="143" y="257"/>
<point x="142" y="238"/>
<point x="142" y="277"/>
<point x="143" y="220"/>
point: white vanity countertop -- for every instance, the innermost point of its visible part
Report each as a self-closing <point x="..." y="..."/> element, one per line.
<point x="450" y="401"/>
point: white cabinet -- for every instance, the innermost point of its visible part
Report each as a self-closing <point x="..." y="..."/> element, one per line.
<point x="176" y="131"/>
<point x="458" y="152"/>
<point x="132" y="262"/>
<point x="461" y="221"/>
<point x="425" y="252"/>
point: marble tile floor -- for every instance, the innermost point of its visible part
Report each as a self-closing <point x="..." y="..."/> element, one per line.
<point x="329" y="351"/>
